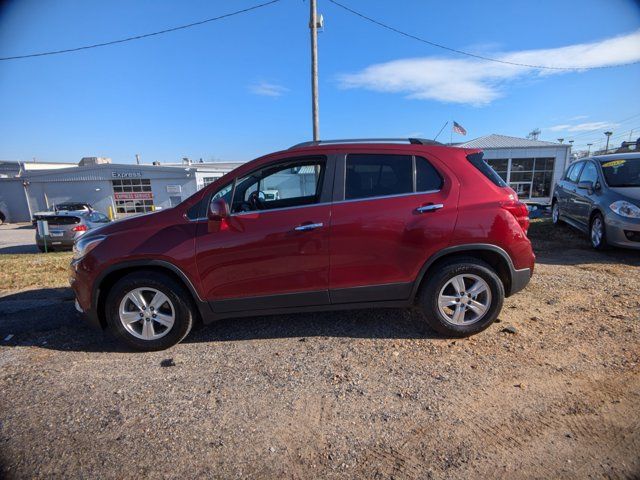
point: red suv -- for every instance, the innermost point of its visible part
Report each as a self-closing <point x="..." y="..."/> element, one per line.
<point x="321" y="226"/>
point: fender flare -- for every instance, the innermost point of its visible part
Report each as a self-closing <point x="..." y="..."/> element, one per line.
<point x="202" y="306"/>
<point x="468" y="247"/>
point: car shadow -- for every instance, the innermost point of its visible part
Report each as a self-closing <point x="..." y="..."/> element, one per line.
<point x="19" y="249"/>
<point x="47" y="318"/>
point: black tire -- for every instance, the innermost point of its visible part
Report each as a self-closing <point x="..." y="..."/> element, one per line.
<point x="180" y="304"/>
<point x="41" y="248"/>
<point x="555" y="219"/>
<point x="428" y="299"/>
<point x="602" y="244"/>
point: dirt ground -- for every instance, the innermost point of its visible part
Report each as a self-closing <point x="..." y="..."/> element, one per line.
<point x="360" y="394"/>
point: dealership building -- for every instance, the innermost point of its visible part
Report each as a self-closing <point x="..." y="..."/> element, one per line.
<point x="530" y="167"/>
<point x="123" y="189"/>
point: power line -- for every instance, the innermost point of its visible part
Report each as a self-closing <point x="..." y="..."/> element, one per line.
<point x="462" y="52"/>
<point x="145" y="35"/>
<point x="589" y="132"/>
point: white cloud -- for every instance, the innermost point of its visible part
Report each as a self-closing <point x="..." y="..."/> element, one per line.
<point x="478" y="82"/>
<point x="267" y="89"/>
<point x="581" y="127"/>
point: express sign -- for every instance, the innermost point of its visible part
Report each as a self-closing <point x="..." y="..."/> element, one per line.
<point x="128" y="174"/>
<point x="133" y="196"/>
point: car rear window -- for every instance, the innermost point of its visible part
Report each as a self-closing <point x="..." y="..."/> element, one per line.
<point x="71" y="206"/>
<point x="372" y="175"/>
<point x="59" y="219"/>
<point x="478" y="161"/>
<point x="427" y="178"/>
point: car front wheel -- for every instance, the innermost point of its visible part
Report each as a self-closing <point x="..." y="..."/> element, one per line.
<point x="462" y="297"/>
<point x="598" y="232"/>
<point x="149" y="311"/>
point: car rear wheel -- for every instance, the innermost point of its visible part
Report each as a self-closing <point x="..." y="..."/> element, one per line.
<point x="462" y="297"/>
<point x="149" y="311"/>
<point x="598" y="232"/>
<point x="555" y="213"/>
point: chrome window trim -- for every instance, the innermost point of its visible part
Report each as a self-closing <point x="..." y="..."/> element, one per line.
<point x="381" y="197"/>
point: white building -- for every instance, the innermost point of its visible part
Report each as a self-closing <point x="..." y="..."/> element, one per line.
<point x="530" y="167"/>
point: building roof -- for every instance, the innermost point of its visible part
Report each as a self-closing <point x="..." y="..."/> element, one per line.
<point x="504" y="141"/>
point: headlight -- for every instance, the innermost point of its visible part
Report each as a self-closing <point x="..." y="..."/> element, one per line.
<point x="625" y="209"/>
<point x="84" y="245"/>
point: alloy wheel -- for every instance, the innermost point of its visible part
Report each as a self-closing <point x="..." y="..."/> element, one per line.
<point x="464" y="299"/>
<point x="555" y="213"/>
<point x="597" y="231"/>
<point x="147" y="313"/>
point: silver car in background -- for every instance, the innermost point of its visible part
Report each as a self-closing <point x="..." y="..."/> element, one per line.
<point x="65" y="228"/>
<point x="601" y="196"/>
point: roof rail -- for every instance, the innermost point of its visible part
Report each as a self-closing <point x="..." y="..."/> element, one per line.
<point x="413" y="141"/>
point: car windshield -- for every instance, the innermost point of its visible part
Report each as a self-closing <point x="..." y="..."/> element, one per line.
<point x="624" y="172"/>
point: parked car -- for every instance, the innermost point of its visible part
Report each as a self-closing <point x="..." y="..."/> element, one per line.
<point x="364" y="225"/>
<point x="601" y="196"/>
<point x="66" y="228"/>
<point x="72" y="207"/>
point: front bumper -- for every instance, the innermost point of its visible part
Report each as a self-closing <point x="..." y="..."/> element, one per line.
<point x="620" y="229"/>
<point x="81" y="283"/>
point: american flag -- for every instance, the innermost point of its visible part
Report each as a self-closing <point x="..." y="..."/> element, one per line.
<point x="459" y="129"/>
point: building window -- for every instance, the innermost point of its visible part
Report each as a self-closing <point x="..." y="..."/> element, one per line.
<point x="133" y="195"/>
<point x="208" y="181"/>
<point x="501" y="166"/>
<point x="542" y="177"/>
<point x="529" y="177"/>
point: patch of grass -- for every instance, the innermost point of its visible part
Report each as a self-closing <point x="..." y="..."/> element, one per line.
<point x="31" y="270"/>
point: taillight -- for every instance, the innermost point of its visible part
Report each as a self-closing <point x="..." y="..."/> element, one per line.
<point x="520" y="211"/>
<point x="80" y="228"/>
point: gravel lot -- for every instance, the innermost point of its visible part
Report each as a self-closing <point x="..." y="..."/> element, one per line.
<point x="550" y="391"/>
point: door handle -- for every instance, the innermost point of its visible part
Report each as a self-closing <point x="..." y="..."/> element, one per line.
<point x="308" y="226"/>
<point x="429" y="208"/>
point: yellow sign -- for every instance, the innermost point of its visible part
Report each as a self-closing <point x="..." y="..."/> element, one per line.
<point x="614" y="163"/>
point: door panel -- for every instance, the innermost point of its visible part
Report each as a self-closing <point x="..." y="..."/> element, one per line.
<point x="386" y="240"/>
<point x="583" y="200"/>
<point x="570" y="191"/>
<point x="261" y="253"/>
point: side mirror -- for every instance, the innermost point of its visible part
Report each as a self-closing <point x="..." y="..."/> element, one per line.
<point x="588" y="186"/>
<point x="218" y="209"/>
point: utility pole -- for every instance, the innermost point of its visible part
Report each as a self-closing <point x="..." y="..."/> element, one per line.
<point x="608" y="134"/>
<point x="138" y="159"/>
<point x="589" y="148"/>
<point x="313" y="25"/>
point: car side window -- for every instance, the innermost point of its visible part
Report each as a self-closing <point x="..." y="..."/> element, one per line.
<point x="427" y="177"/>
<point x="290" y="184"/>
<point x="372" y="175"/>
<point x="574" y="172"/>
<point x="589" y="173"/>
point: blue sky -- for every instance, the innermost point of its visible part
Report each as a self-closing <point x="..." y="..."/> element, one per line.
<point x="238" y="88"/>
